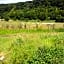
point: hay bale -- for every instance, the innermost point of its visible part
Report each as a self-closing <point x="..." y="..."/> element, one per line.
<point x="43" y="26"/>
<point x="58" y="25"/>
<point x="19" y="26"/>
<point x="33" y="26"/>
<point x="12" y="27"/>
<point x="51" y="26"/>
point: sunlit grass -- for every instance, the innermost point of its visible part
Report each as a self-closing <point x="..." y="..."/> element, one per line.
<point x="22" y="44"/>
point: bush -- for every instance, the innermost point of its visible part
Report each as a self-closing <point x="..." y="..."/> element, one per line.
<point x="51" y="55"/>
<point x="6" y="19"/>
<point x="42" y="16"/>
<point x="59" y="19"/>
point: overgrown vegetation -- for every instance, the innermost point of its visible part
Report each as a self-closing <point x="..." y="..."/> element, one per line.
<point x="36" y="9"/>
<point x="21" y="45"/>
<point x="33" y="48"/>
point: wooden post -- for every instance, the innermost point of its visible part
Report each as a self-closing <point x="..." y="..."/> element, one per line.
<point x="63" y="26"/>
<point x="53" y="26"/>
<point x="25" y="26"/>
<point x="48" y="26"/>
<point x="36" y="26"/>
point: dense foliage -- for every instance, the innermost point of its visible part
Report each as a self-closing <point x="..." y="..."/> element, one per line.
<point x="36" y="9"/>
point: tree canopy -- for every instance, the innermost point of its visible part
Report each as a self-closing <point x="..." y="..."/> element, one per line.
<point x="36" y="9"/>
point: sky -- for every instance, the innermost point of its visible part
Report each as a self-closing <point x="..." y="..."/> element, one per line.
<point x="12" y="1"/>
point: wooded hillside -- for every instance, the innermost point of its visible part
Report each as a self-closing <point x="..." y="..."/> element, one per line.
<point x="34" y="10"/>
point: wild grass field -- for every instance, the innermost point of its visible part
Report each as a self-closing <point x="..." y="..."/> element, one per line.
<point x="31" y="47"/>
<point x="32" y="32"/>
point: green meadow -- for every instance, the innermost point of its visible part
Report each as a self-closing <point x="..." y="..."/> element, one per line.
<point x="32" y="32"/>
<point x="32" y="46"/>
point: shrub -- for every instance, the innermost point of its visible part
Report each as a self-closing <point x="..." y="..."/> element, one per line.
<point x="6" y="19"/>
<point x="59" y="18"/>
<point x="51" y="55"/>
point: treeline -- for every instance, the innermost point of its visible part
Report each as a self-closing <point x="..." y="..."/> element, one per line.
<point x="33" y="10"/>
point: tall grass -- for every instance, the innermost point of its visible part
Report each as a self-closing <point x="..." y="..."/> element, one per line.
<point x="33" y="48"/>
<point x="14" y="31"/>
